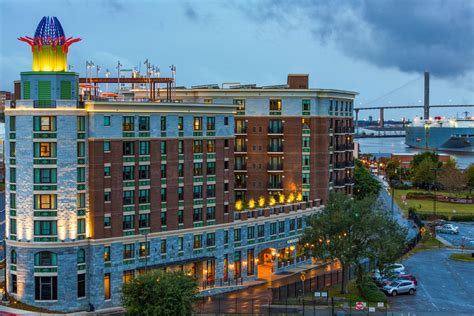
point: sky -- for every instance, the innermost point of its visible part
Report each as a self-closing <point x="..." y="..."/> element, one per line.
<point x="379" y="49"/>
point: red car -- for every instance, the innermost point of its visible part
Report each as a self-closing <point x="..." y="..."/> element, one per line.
<point x="408" y="277"/>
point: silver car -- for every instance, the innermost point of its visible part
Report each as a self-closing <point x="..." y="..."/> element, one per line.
<point x="400" y="287"/>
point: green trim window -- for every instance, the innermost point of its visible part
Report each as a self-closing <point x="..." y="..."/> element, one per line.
<point x="128" y="148"/>
<point x="106" y="171"/>
<point x="305" y="178"/>
<point x="240" y="103"/>
<point x="144" y="148"/>
<point x="163" y="218"/>
<point x="128" y="124"/>
<point x="180" y="217"/>
<point x="45" y="176"/>
<point x="163" y="123"/>
<point x="144" y="196"/>
<point x="13" y="226"/>
<point x="210" y="239"/>
<point x="129" y="251"/>
<point x="181" y="193"/>
<point x="306" y="105"/>
<point x="163" y="171"/>
<point x="180" y="123"/>
<point x="180" y="243"/>
<point x="44" y="123"/>
<point x="143" y="172"/>
<point x="180" y="147"/>
<point x="12" y="149"/>
<point x="44" y="93"/>
<point x="128" y="197"/>
<point x="197" y="241"/>
<point x="65" y="88"/>
<point x="128" y="173"/>
<point x="106" y="120"/>
<point x="45" y="201"/>
<point x="211" y="168"/>
<point x="45" y="259"/>
<point x="128" y="222"/>
<point x="46" y="228"/>
<point x="237" y="234"/>
<point x="251" y="232"/>
<point x="273" y="228"/>
<point x="106" y="146"/>
<point x="107" y="221"/>
<point x="12" y="200"/>
<point x="281" y="227"/>
<point x="211" y="213"/>
<point x="197" y="214"/>
<point x="107" y="196"/>
<point x="81" y="123"/>
<point x="81" y="174"/>
<point x="81" y="256"/>
<point x="81" y="149"/>
<point x="44" y="150"/>
<point x="163" y="194"/>
<point x="144" y="123"/>
<point x="197" y="146"/>
<point x="81" y="226"/>
<point x="81" y="200"/>
<point x="163" y="147"/>
<point x="163" y="246"/>
<point x="197" y="123"/>
<point x="211" y="145"/>
<point x="306" y="142"/>
<point x="211" y="123"/>
<point x="144" y="220"/>
<point x="211" y="190"/>
<point x="107" y="254"/>
<point x="26" y="90"/>
<point x="181" y="170"/>
<point x="12" y="123"/>
<point x="12" y="175"/>
<point x="144" y="249"/>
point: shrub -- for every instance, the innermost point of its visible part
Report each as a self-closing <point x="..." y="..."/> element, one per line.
<point x="370" y="291"/>
<point x="419" y="195"/>
<point x="431" y="217"/>
<point x="463" y="218"/>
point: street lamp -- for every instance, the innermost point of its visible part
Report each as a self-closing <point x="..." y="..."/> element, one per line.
<point x="434" y="189"/>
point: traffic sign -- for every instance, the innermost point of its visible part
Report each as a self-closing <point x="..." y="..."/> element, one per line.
<point x="303" y="276"/>
<point x="360" y="306"/>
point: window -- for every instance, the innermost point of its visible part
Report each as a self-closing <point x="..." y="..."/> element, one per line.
<point x="180" y="170"/>
<point x="12" y="175"/>
<point x="306" y="142"/>
<point x="14" y="283"/>
<point x="281" y="227"/>
<point x="81" y="123"/>
<point x="144" y="221"/>
<point x="250" y="261"/>
<point x="211" y="191"/>
<point x="275" y="105"/>
<point x="226" y="237"/>
<point x="12" y="226"/>
<point x="12" y="200"/>
<point x="163" y="123"/>
<point x="128" y="123"/>
<point x="144" y="196"/>
<point x="180" y="217"/>
<point x="211" y="123"/>
<point x="128" y="197"/>
<point x="237" y="234"/>
<point x="292" y="224"/>
<point x="197" y="214"/>
<point x="181" y="193"/>
<point x="13" y="257"/>
<point x="197" y="125"/>
<point x="273" y="228"/>
<point x="240" y="103"/>
<point x="45" y="228"/>
<point x="107" y="196"/>
<point x="211" y="146"/>
<point x="12" y="123"/>
<point x="81" y="285"/>
<point x="144" y="123"/>
<point x="45" y="259"/>
<point x="306" y="104"/>
<point x="180" y="243"/>
<point x="180" y="147"/>
<point x="226" y="143"/>
<point x="128" y="222"/>
<point x="211" y="213"/>
<point x="81" y="174"/>
<point x="44" y="123"/>
<point x="81" y="149"/>
<point x="251" y="232"/>
<point x="299" y="222"/>
<point x="305" y="178"/>
<point x="163" y="194"/>
<point x="226" y="187"/>
<point x="197" y="242"/>
<point x="197" y="192"/>
<point x="144" y="148"/>
<point x="81" y="256"/>
<point x="180" y="123"/>
<point x="107" y="221"/>
<point x="163" y="147"/>
<point x="261" y="231"/>
<point x="128" y="173"/>
<point x="207" y="101"/>
<point x="210" y="239"/>
<point x="226" y="120"/>
<point x="107" y="256"/>
<point x="106" y="171"/>
<point x="44" y="150"/>
<point x="128" y="276"/>
<point x="163" y="171"/>
<point x="81" y="226"/>
<point x="128" y="251"/>
<point x="226" y="165"/>
<point x="197" y="146"/>
<point x="46" y="288"/>
<point x="211" y="168"/>
<point x="12" y="149"/>
<point x="163" y="246"/>
<point x="106" y="120"/>
<point x="45" y="201"/>
<point x="144" y="249"/>
<point x="144" y="172"/>
<point x="128" y="149"/>
<point x="44" y="176"/>
<point x="107" y="286"/>
<point x="197" y="169"/>
<point x="106" y="146"/>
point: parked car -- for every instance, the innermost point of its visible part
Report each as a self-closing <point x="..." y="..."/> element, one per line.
<point x="447" y="229"/>
<point x="395" y="268"/>
<point x="400" y="287"/>
<point x="409" y="277"/>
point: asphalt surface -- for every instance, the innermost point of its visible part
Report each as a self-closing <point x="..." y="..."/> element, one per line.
<point x="465" y="236"/>
<point x="445" y="287"/>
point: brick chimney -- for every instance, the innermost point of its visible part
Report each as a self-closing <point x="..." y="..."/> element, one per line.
<point x="298" y="81"/>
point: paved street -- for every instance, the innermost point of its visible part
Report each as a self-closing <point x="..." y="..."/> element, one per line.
<point x="465" y="236"/>
<point x="444" y="286"/>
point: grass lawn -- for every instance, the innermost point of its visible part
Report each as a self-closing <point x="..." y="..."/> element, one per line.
<point x="429" y="243"/>
<point x="427" y="205"/>
<point x="461" y="257"/>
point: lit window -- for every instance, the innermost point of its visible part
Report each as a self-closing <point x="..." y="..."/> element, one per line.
<point x="275" y="105"/>
<point x="197" y="123"/>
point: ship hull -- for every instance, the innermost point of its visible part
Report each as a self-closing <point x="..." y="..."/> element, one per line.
<point x="440" y="138"/>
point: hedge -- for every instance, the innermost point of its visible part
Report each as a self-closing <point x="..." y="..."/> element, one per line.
<point x="463" y="218"/>
<point x="419" y="195"/>
<point x="370" y="291"/>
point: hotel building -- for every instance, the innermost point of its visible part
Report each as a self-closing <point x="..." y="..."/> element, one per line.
<point x="216" y="183"/>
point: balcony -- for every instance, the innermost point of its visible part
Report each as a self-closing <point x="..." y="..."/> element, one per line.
<point x="240" y="149"/>
<point x="240" y="167"/>
<point x="339" y="183"/>
<point x="240" y="185"/>
<point x="275" y="186"/>
<point x="241" y="129"/>
<point x="275" y="148"/>
<point x="344" y="130"/>
<point x="340" y="147"/>
<point x="275" y="129"/>
<point x="349" y="180"/>
<point x="349" y="163"/>
<point x="340" y="165"/>
<point x="275" y="167"/>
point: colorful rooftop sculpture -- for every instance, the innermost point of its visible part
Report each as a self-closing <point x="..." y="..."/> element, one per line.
<point x="49" y="45"/>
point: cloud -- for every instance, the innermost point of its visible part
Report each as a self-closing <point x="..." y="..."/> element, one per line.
<point x="190" y="12"/>
<point x="412" y="36"/>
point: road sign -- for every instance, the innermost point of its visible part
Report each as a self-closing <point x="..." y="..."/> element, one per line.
<point x="303" y="276"/>
<point x="360" y="306"/>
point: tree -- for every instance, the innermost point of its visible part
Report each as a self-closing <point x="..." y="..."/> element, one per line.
<point x="451" y="178"/>
<point x="423" y="174"/>
<point x="365" y="184"/>
<point x="352" y="230"/>
<point x="392" y="169"/>
<point x="469" y="173"/>
<point x="159" y="293"/>
<point x="431" y="155"/>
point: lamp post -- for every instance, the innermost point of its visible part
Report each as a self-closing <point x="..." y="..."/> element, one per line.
<point x="434" y="189"/>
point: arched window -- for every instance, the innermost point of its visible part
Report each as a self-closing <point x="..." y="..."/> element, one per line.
<point x="81" y="256"/>
<point x="13" y="257"/>
<point x="45" y="258"/>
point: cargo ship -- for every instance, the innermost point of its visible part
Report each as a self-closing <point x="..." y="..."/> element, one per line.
<point x="443" y="134"/>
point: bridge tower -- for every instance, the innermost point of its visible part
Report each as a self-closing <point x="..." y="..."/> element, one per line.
<point x="426" y="107"/>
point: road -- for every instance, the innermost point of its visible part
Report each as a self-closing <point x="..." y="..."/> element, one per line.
<point x="465" y="236"/>
<point x="445" y="287"/>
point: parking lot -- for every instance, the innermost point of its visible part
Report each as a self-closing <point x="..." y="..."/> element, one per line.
<point x="445" y="287"/>
<point x="465" y="236"/>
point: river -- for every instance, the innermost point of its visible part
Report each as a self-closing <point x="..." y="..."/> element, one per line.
<point x="388" y="145"/>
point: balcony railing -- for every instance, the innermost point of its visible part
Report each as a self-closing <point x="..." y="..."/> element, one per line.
<point x="339" y="183"/>
<point x="275" y="149"/>
<point x="240" y="167"/>
<point x="340" y="165"/>
<point x="241" y="129"/>
<point x="275" y="185"/>
<point x="240" y="149"/>
<point x="349" y="180"/>
<point x="344" y="129"/>
<point x="350" y="163"/>
<point x="275" y="167"/>
<point x="275" y="130"/>
<point x="240" y="185"/>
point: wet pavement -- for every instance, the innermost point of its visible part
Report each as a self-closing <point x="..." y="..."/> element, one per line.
<point x="445" y="287"/>
<point x="464" y="238"/>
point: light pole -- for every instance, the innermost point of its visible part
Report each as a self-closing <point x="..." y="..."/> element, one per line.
<point x="434" y="189"/>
